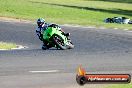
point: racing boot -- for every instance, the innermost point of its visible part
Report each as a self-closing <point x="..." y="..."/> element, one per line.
<point x="67" y="34"/>
<point x="44" y="47"/>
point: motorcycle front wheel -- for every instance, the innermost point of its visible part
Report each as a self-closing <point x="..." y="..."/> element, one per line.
<point x="59" y="42"/>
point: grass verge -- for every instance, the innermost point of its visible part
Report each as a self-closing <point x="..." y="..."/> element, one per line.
<point x="82" y="12"/>
<point x="8" y="46"/>
<point x="120" y="86"/>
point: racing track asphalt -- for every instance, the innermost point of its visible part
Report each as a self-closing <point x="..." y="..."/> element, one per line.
<point x="97" y="50"/>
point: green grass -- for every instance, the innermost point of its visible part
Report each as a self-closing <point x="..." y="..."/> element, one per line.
<point x="4" y="45"/>
<point x="82" y="12"/>
<point x="120" y="86"/>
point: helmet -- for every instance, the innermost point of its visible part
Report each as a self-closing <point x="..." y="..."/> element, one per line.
<point x="40" y="22"/>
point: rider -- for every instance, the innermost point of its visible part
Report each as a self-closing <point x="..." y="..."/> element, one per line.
<point x="42" y="25"/>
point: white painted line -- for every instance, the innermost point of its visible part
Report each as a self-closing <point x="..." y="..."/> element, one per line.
<point x="102" y="28"/>
<point x="48" y="71"/>
<point x="126" y="29"/>
<point x="129" y="31"/>
<point x="3" y="49"/>
<point x="80" y="26"/>
<point x="115" y="28"/>
<point x="18" y="47"/>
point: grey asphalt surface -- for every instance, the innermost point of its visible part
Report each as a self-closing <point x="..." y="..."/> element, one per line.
<point x="97" y="50"/>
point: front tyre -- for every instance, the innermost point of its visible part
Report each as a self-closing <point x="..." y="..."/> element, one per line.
<point x="70" y="46"/>
<point x="59" y="42"/>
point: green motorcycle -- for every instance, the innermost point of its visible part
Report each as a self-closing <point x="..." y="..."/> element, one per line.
<point x="54" y="37"/>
